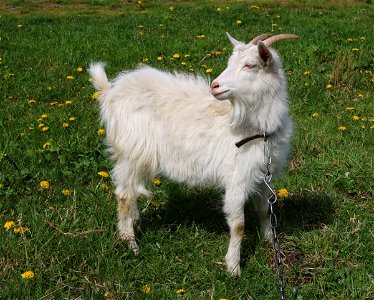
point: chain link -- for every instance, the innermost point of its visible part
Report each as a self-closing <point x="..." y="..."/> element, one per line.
<point x="281" y="280"/>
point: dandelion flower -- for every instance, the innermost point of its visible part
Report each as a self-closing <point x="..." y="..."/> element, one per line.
<point x="72" y="119"/>
<point x="103" y="174"/>
<point x="44" y="116"/>
<point x="328" y="86"/>
<point x="32" y="102"/>
<point x="342" y="128"/>
<point x="66" y="192"/>
<point x="46" y="145"/>
<point x="146" y="289"/>
<point x="239" y="22"/>
<point x="315" y="114"/>
<point x="356" y="118"/>
<point x="349" y="108"/>
<point x="355" y="49"/>
<point x="79" y="69"/>
<point x="70" y="77"/>
<point x="159" y="58"/>
<point x="68" y="102"/>
<point x="100" y="131"/>
<point x="95" y="96"/>
<point x="44" y="184"/>
<point x="9" y="224"/>
<point x="283" y="193"/>
<point x="181" y="291"/>
<point x="28" y="275"/>
<point x="21" y="230"/>
<point x="156" y="181"/>
<point x="176" y="55"/>
<point x="307" y="73"/>
<point x="219" y="9"/>
<point x="209" y="71"/>
<point x="45" y="128"/>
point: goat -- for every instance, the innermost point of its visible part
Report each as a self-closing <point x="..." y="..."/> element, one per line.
<point x="181" y="127"/>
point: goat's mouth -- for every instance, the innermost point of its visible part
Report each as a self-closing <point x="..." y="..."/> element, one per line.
<point x="220" y="95"/>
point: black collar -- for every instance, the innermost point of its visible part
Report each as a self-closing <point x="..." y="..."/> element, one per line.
<point x="251" y="138"/>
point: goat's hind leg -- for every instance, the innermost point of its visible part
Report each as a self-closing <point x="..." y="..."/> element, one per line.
<point x="128" y="214"/>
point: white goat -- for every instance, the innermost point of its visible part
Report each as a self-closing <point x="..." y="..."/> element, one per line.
<point x="174" y="125"/>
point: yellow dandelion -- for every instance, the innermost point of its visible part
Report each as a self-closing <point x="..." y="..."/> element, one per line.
<point x="171" y="8"/>
<point x="28" y="275"/>
<point x="363" y="126"/>
<point x="45" y="128"/>
<point x="46" y="145"/>
<point x="21" y="230"/>
<point x="100" y="131"/>
<point x="307" y="73"/>
<point x="315" y="114"/>
<point x="200" y="36"/>
<point x="283" y="193"/>
<point x="355" y="49"/>
<point x="44" y="184"/>
<point x="103" y="174"/>
<point x="95" y="96"/>
<point x="219" y="9"/>
<point x="9" y="224"/>
<point x="44" y="116"/>
<point x="209" y="70"/>
<point x="72" y="119"/>
<point x="181" y="291"/>
<point x="66" y="192"/>
<point x="65" y="124"/>
<point x="68" y="102"/>
<point x="156" y="181"/>
<point x="372" y="127"/>
<point x="79" y="69"/>
<point x="183" y="63"/>
<point x="238" y="22"/>
<point x="349" y="108"/>
<point x="342" y="128"/>
<point x="145" y="59"/>
<point x="176" y="55"/>
<point x="32" y="102"/>
<point x="356" y="118"/>
<point x="159" y="58"/>
<point x="254" y="7"/>
<point x="360" y="96"/>
<point x="328" y="86"/>
<point x="349" y="39"/>
<point x="146" y="289"/>
<point x="70" y="77"/>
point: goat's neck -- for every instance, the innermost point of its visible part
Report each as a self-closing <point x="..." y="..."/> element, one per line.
<point x="265" y="114"/>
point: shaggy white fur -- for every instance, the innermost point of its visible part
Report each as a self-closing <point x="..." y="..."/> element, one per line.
<point x="178" y="126"/>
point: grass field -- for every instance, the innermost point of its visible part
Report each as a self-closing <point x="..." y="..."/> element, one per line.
<point x="58" y="214"/>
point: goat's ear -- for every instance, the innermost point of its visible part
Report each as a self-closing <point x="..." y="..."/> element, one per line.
<point x="233" y="41"/>
<point x="264" y="54"/>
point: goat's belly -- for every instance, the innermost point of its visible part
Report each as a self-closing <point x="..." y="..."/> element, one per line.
<point x="190" y="172"/>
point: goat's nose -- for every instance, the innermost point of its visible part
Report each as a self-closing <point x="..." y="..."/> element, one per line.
<point x="214" y="85"/>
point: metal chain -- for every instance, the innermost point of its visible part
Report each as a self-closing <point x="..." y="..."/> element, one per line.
<point x="281" y="280"/>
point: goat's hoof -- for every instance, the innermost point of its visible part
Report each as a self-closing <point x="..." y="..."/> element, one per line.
<point x="233" y="268"/>
<point x="234" y="271"/>
<point x="131" y="243"/>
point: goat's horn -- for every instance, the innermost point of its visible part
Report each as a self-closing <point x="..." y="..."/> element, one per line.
<point x="271" y="40"/>
<point x="260" y="38"/>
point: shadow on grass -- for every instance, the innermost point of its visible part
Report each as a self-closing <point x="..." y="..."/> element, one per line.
<point x="203" y="206"/>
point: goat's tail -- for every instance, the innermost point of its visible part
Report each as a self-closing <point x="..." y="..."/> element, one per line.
<point x="98" y="76"/>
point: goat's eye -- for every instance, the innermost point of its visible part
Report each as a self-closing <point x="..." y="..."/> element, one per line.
<point x="248" y="66"/>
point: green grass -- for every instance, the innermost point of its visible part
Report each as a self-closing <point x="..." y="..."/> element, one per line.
<point x="326" y="223"/>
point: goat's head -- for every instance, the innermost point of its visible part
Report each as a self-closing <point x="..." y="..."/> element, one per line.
<point x="252" y="69"/>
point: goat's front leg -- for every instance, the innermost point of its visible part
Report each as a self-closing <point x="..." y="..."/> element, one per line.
<point x="234" y="210"/>
<point x="128" y="214"/>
